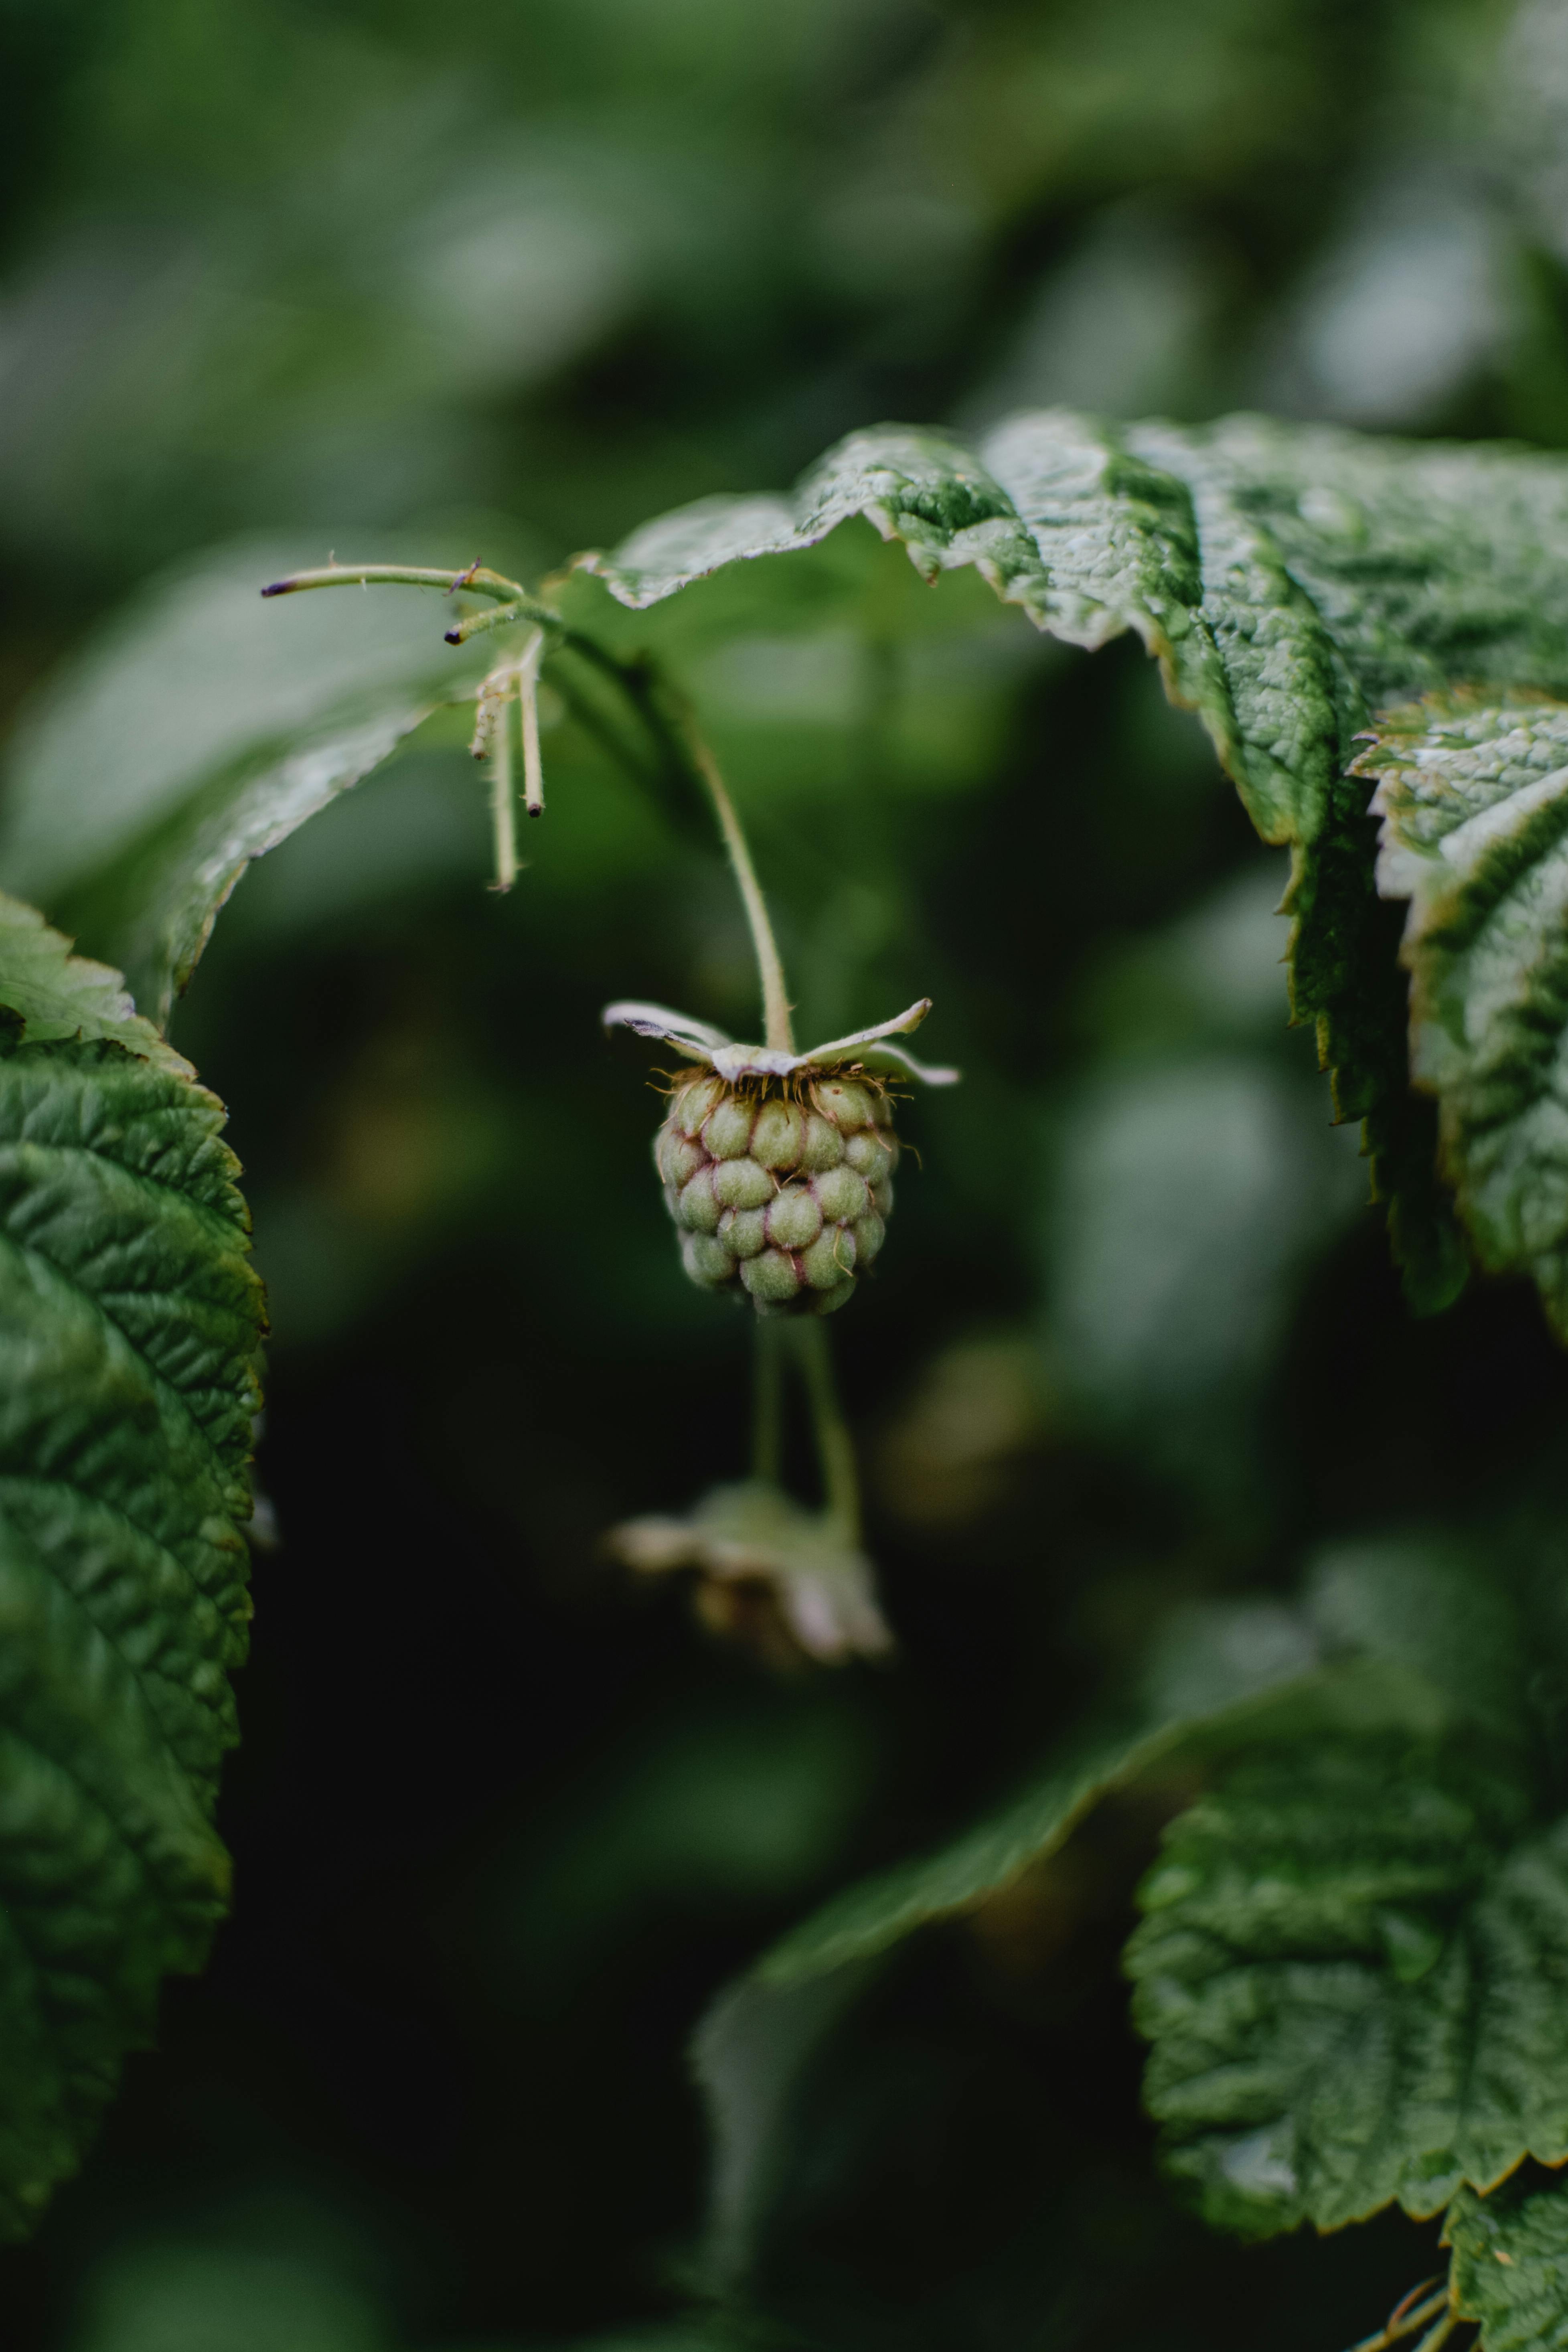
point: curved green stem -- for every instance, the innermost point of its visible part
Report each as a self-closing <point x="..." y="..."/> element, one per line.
<point x="1409" y="2315"/>
<point x="499" y="616"/>
<point x="835" y="1446"/>
<point x="668" y="723"/>
<point x="776" y="1029"/>
<point x="475" y="582"/>
<point x="678" y="746"/>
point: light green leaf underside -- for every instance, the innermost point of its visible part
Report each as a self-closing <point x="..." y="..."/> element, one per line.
<point x="196" y="733"/>
<point x="129" y="1325"/>
<point x="155" y="912"/>
<point x="749" y="2056"/>
<point x="1291" y="581"/>
<point x="1473" y="793"/>
<point x="1509" y="2267"/>
<point x="1352" y="1970"/>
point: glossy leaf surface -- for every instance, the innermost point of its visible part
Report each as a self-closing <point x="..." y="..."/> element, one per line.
<point x="1347" y="1968"/>
<point x="1510" y="2268"/>
<point x="1473" y="793"/>
<point x="1292" y="582"/>
<point x="1350" y="1961"/>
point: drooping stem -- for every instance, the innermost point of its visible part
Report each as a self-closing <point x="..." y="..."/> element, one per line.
<point x="503" y="802"/>
<point x="767" y="1405"/>
<point x="528" y="721"/>
<point x="677" y="748"/>
<point x="835" y="1446"/>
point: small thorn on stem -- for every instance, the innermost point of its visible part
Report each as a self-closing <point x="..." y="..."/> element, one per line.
<point x="463" y="578"/>
<point x="489" y="704"/>
<point x="499" y="616"/>
<point x="1411" y="2314"/>
<point x="1401" y="2312"/>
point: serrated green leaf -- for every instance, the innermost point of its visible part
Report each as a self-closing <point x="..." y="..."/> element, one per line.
<point x="1509" y="2267"/>
<point x="130" y="1320"/>
<point x="1392" y="1632"/>
<point x="1290" y="580"/>
<point x="1053" y="512"/>
<point x="1393" y="1635"/>
<point x="1350" y="1968"/>
<point x="868" y="1918"/>
<point x="1350" y="1965"/>
<point x="1219" y="1674"/>
<point x="1473" y="793"/>
<point x="46" y="993"/>
<point x="1440" y="1613"/>
<point x="198" y="731"/>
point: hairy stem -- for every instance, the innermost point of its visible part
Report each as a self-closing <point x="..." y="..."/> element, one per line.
<point x="528" y="721"/>
<point x="835" y="1446"/>
<point x="677" y="748"/>
<point x="475" y="582"/>
<point x="776" y="1029"/>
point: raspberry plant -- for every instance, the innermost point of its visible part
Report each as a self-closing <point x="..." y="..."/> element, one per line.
<point x="1350" y="1960"/>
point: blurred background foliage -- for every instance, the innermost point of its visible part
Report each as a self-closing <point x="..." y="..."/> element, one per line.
<point x="284" y="276"/>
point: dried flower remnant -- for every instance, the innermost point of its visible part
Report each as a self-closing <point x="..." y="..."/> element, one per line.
<point x="783" y="1580"/>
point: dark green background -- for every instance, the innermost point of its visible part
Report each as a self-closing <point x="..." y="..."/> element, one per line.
<point x="511" y="278"/>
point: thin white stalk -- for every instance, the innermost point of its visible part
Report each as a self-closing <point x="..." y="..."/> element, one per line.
<point x="503" y="804"/>
<point x="528" y="704"/>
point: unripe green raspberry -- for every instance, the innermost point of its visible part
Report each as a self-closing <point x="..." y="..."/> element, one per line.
<point x="773" y="1279"/>
<point x="777" y="1166"/>
<point x="778" y="1138"/>
<point x="843" y="1195"/>
<point x="698" y="1208"/>
<point x="795" y="1218"/>
<point x="743" y="1231"/>
<point x="782" y="1180"/>
<point x="727" y="1130"/>
<point x="824" y="1146"/>
<point x="740" y="1183"/>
